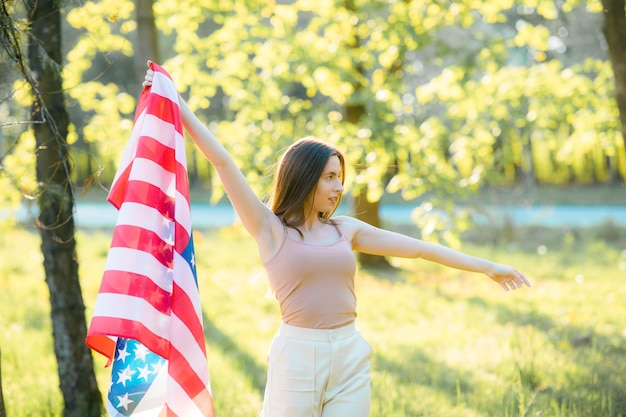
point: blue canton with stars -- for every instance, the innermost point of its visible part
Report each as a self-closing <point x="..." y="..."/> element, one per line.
<point x="135" y="367"/>
<point x="189" y="255"/>
<point x="133" y="372"/>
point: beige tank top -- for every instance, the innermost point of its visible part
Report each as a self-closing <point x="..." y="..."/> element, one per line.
<point x="314" y="285"/>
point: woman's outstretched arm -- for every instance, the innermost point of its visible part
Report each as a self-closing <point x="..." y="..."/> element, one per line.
<point x="369" y="239"/>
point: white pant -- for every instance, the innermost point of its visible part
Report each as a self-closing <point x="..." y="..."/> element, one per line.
<point x="318" y="373"/>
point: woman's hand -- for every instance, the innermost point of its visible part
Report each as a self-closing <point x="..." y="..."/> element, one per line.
<point x="508" y="278"/>
<point x="147" y="82"/>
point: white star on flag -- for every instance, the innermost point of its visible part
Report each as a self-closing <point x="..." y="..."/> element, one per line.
<point x="122" y="354"/>
<point x="144" y="372"/>
<point x="140" y="352"/>
<point x="124" y="401"/>
<point x="125" y="375"/>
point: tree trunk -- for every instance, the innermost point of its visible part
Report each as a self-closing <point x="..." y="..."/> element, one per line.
<point x="369" y="213"/>
<point x="3" y="412"/>
<point x="146" y="43"/>
<point x="353" y="111"/>
<point x="615" y="32"/>
<point x="364" y="209"/>
<point x="55" y="222"/>
<point x="528" y="176"/>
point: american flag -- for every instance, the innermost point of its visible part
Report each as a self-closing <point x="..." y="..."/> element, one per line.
<point x="147" y="319"/>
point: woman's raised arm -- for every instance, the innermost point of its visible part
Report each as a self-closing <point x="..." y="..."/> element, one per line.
<point x="255" y="216"/>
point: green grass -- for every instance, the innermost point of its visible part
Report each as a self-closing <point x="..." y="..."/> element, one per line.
<point x="446" y="343"/>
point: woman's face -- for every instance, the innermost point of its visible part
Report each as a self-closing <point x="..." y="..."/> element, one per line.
<point x="329" y="187"/>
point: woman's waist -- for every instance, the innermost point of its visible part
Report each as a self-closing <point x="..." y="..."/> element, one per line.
<point x="318" y="334"/>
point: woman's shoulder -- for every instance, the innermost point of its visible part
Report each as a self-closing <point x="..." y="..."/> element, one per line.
<point x="344" y="220"/>
<point x="348" y="225"/>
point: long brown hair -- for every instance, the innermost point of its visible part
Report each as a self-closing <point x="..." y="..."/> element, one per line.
<point x="297" y="174"/>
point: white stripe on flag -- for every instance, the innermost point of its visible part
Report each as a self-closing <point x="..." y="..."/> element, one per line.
<point x="183" y="406"/>
<point x="141" y="263"/>
<point x="186" y="344"/>
<point x="164" y="87"/>
<point x="132" y="308"/>
<point x="186" y="280"/>
<point x="160" y="130"/>
<point x="154" y="395"/>
<point x="149" y="171"/>
<point x="166" y="134"/>
<point x="181" y="154"/>
<point x="147" y="217"/>
<point x="131" y="148"/>
<point x="182" y="213"/>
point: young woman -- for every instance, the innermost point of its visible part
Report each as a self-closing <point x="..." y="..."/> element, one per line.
<point x="318" y="362"/>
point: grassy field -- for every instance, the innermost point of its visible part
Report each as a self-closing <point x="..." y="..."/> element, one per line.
<point x="446" y="343"/>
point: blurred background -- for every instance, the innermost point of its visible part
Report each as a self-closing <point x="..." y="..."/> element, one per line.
<point x="495" y="127"/>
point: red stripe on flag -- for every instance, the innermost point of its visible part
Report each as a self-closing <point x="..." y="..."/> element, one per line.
<point x="124" y="327"/>
<point x="142" y="102"/>
<point x="165" y="110"/>
<point x="180" y="370"/>
<point x="182" y="181"/>
<point x="183" y="238"/>
<point x="150" y="195"/>
<point x="183" y="307"/>
<point x="152" y="149"/>
<point x="116" y="195"/>
<point x="126" y="236"/>
<point x="104" y="345"/>
<point x="136" y="285"/>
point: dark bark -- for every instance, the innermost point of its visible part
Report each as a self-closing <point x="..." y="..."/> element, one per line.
<point x="146" y="44"/>
<point x="353" y="111"/>
<point x="3" y="412"/>
<point x="56" y="223"/>
<point x="363" y="208"/>
<point x="369" y="213"/>
<point x="615" y="32"/>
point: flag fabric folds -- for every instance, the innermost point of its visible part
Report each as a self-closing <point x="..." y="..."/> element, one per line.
<point x="147" y="319"/>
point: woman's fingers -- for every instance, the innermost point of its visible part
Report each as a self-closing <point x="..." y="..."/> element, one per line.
<point x="147" y="82"/>
<point x="511" y="279"/>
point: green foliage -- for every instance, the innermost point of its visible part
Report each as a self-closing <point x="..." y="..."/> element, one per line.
<point x="559" y="124"/>
<point x="445" y="342"/>
<point x="456" y="95"/>
<point x="17" y="178"/>
<point x="93" y="81"/>
<point x="274" y="72"/>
